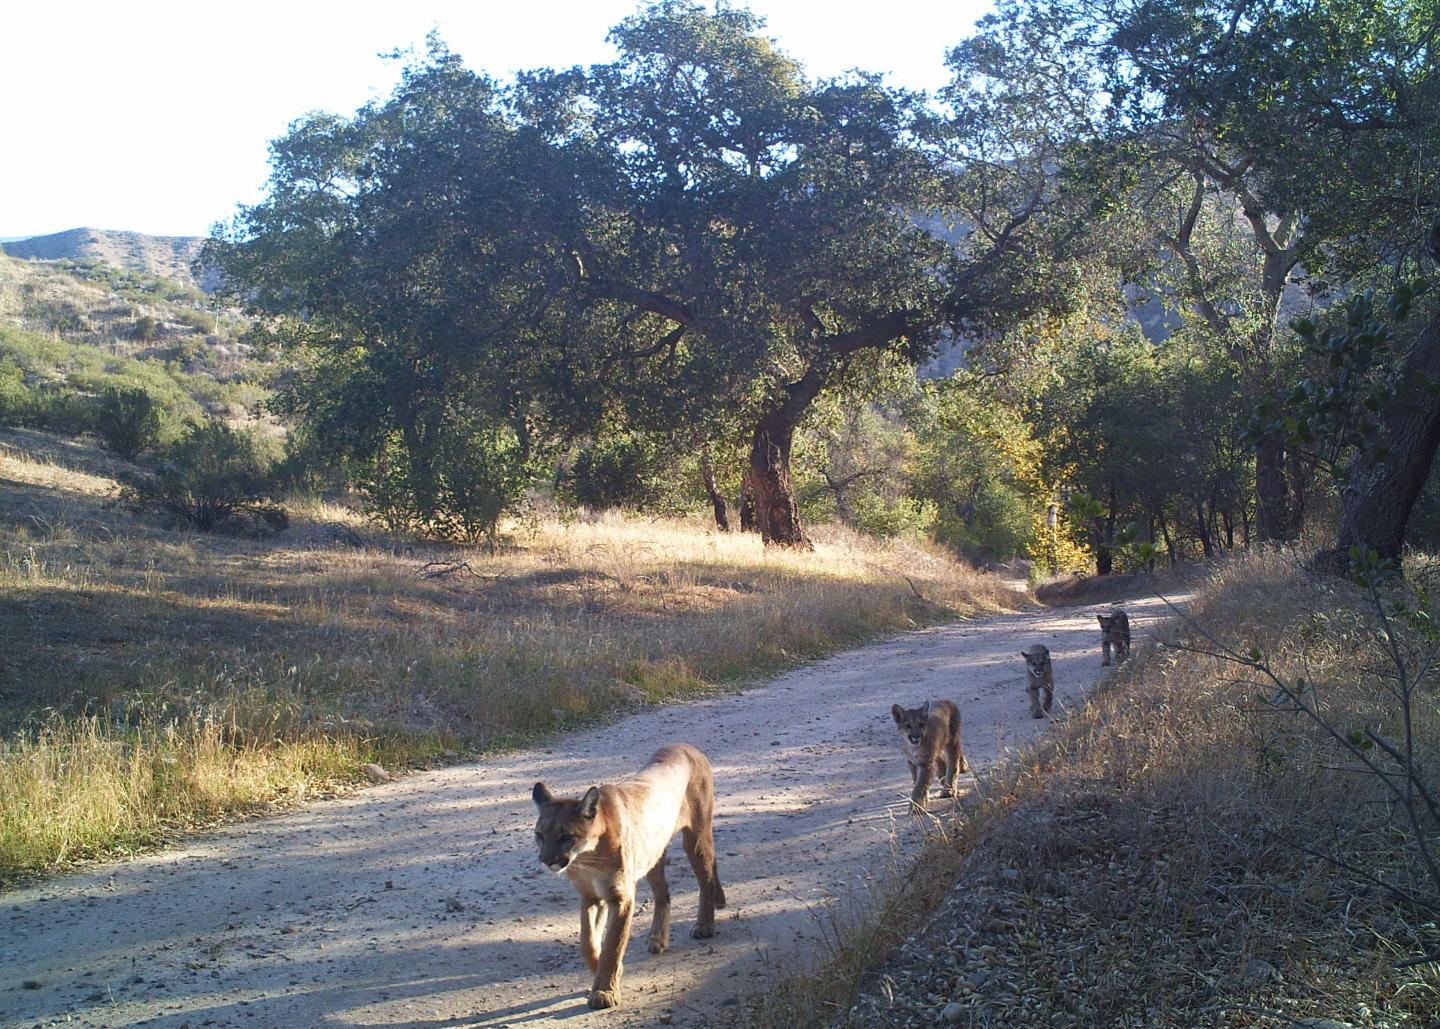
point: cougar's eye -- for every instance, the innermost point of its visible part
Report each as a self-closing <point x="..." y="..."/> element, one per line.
<point x="566" y="840"/>
<point x="540" y="836"/>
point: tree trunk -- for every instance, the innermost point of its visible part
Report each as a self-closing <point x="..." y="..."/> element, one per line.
<point x="1202" y="527"/>
<point x="1382" y="491"/>
<point x="1272" y="493"/>
<point x="767" y="477"/>
<point x="1299" y="483"/>
<point x="1104" y="559"/>
<point x="777" y="515"/>
<point x="747" y="506"/>
<point x="717" y="499"/>
<point x="1169" y="540"/>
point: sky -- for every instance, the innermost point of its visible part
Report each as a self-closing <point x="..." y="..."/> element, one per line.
<point x="156" y="116"/>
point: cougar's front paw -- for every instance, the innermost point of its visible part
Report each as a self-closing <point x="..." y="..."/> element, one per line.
<point x="657" y="946"/>
<point x="603" y="999"/>
<point x="702" y="932"/>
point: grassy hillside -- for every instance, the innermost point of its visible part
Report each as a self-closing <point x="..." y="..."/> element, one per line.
<point x="166" y="257"/>
<point x="169" y="678"/>
<point x="1164" y="859"/>
<point x="70" y="329"/>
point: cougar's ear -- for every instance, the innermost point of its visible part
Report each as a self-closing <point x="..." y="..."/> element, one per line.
<point x="925" y="709"/>
<point x="590" y="803"/>
<point x="541" y="794"/>
<point x="1025" y="655"/>
<point x="897" y="712"/>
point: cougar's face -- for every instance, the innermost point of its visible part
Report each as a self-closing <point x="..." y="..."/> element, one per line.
<point x="1036" y="661"/>
<point x="1107" y="624"/>
<point x="911" y="721"/>
<point x="566" y="827"/>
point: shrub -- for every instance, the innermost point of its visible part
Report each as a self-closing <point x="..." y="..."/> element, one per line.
<point x="458" y="487"/>
<point x="202" y="322"/>
<point x="613" y="471"/>
<point x="16" y="401"/>
<point x="208" y="476"/>
<point x="127" y="420"/>
<point x="146" y="328"/>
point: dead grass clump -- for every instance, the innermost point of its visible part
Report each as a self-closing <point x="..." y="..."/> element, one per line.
<point x="1164" y="857"/>
<point x="139" y="637"/>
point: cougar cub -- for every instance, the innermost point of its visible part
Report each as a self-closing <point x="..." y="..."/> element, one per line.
<point x="1039" y="676"/>
<point x="930" y="737"/>
<point x="1114" y="632"/>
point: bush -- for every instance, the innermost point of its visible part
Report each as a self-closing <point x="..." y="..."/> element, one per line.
<point x="613" y="471"/>
<point x="146" y="329"/>
<point x="127" y="421"/>
<point x="208" y="476"/>
<point x="458" y="486"/>
<point x="16" y="401"/>
<point x="202" y="322"/>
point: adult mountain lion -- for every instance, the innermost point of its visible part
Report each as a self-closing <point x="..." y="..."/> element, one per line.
<point x="616" y="835"/>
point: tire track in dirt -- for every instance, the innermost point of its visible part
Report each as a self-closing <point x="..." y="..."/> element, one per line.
<point x="420" y="903"/>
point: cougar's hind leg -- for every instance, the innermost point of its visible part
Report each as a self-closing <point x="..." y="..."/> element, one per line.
<point x="954" y="764"/>
<point x="700" y="849"/>
<point x="659" y="939"/>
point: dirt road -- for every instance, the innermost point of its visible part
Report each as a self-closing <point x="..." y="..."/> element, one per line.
<point x="420" y="903"/>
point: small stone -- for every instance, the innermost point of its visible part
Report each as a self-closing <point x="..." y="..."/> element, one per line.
<point x="454" y="904"/>
<point x="30" y="984"/>
<point x="666" y="1018"/>
<point x="1320" y="1023"/>
<point x="558" y="714"/>
<point x="1010" y="875"/>
<point x="1259" y="968"/>
<point x="375" y="773"/>
<point x="977" y="980"/>
<point x="952" y="1013"/>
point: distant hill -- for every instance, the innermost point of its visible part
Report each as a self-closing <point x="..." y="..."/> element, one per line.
<point x="168" y="257"/>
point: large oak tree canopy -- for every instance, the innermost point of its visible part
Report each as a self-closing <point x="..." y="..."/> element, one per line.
<point x="696" y="232"/>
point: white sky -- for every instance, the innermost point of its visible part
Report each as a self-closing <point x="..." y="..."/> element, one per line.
<point x="156" y="116"/>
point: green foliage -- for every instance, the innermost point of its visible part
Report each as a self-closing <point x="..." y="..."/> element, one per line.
<point x="459" y="486"/>
<point x="202" y="322"/>
<point x="127" y="421"/>
<point x="146" y="328"/>
<point x="480" y="473"/>
<point x="55" y="383"/>
<point x="596" y="246"/>
<point x="978" y="465"/>
<point x="208" y="476"/>
<point x="130" y="283"/>
<point x="619" y="469"/>
<point x="1331" y="415"/>
<point x="854" y="460"/>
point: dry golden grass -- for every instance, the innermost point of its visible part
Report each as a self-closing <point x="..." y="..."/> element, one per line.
<point x="316" y="656"/>
<point x="1143" y="865"/>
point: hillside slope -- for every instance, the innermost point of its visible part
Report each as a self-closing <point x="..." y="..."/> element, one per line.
<point x="165" y="256"/>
